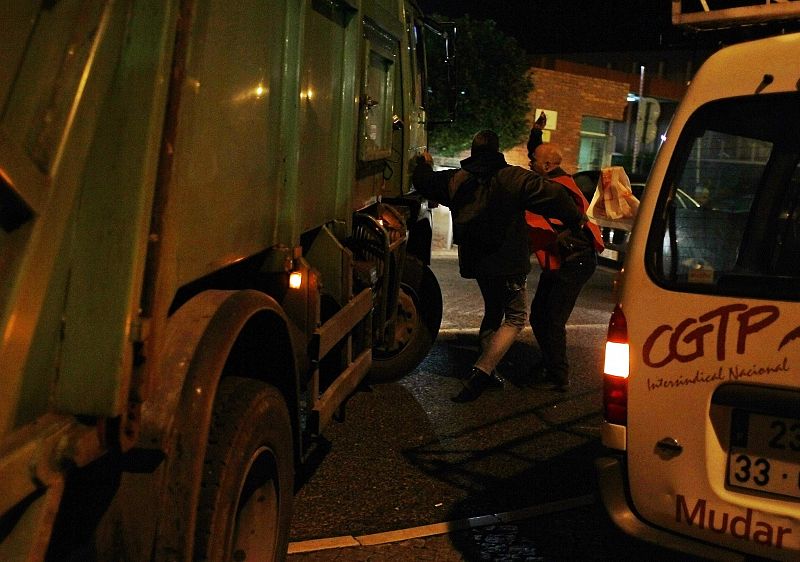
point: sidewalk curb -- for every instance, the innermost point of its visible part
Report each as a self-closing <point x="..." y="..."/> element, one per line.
<point x="441" y="528"/>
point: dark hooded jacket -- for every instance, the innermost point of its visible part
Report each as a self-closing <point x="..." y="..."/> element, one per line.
<point x="488" y="198"/>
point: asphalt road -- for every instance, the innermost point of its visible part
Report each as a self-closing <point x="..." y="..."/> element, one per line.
<point x="406" y="459"/>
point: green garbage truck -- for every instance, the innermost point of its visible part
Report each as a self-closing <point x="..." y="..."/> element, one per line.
<point x="207" y="242"/>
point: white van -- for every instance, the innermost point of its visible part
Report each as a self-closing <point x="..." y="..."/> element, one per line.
<point x="702" y="365"/>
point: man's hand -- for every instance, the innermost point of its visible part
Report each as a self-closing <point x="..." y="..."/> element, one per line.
<point x="578" y="226"/>
<point x="541" y="122"/>
<point x="423" y="157"/>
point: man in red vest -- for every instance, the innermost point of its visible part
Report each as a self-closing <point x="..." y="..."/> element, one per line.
<point x="568" y="259"/>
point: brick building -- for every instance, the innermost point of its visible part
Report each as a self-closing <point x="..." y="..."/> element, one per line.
<point x="593" y="113"/>
<point x="571" y="99"/>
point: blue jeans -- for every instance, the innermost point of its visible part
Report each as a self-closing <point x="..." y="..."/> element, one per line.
<point x="504" y="315"/>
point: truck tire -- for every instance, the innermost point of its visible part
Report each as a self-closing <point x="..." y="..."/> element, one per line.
<point x="419" y="316"/>
<point x="246" y="492"/>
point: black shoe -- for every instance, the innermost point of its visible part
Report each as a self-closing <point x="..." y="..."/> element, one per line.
<point x="546" y="381"/>
<point x="543" y="384"/>
<point x="540" y="377"/>
<point x="550" y="385"/>
<point x="538" y="371"/>
<point x="476" y="384"/>
<point x="496" y="382"/>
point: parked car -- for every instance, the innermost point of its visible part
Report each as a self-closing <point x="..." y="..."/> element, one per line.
<point x="616" y="233"/>
<point x="587" y="182"/>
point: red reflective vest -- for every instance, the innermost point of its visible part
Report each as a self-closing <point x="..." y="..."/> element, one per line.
<point x="542" y="238"/>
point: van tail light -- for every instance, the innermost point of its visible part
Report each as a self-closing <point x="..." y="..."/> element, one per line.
<point x="616" y="369"/>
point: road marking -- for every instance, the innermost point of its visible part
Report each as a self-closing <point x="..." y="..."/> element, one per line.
<point x="441" y="528"/>
<point x="451" y="332"/>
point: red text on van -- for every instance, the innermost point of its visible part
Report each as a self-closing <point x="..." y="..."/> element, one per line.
<point x="687" y="341"/>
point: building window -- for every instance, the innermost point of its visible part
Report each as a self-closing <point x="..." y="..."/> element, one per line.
<point x="596" y="140"/>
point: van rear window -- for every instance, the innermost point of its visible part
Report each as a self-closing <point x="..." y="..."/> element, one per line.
<point x="738" y="159"/>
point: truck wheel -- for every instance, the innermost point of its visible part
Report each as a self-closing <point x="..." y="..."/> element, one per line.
<point x="246" y="493"/>
<point x="419" y="315"/>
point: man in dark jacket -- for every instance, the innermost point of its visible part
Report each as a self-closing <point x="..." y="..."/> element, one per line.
<point x="568" y="259"/>
<point x="488" y="198"/>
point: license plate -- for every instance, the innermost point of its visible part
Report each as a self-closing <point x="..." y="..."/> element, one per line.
<point x="610" y="254"/>
<point x="765" y="454"/>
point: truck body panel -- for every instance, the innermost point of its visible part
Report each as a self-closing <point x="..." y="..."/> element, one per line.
<point x="165" y="169"/>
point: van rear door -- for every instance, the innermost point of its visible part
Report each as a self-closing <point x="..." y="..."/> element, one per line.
<point x="711" y="295"/>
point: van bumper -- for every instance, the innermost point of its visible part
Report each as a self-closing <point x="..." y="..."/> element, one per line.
<point x="614" y="493"/>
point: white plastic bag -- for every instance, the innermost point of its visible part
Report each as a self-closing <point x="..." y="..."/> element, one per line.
<point x="613" y="198"/>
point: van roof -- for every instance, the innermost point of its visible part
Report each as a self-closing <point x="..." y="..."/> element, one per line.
<point x="756" y="67"/>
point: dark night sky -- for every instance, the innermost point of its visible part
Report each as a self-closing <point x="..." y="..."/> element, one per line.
<point x="570" y="25"/>
<point x="574" y="26"/>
